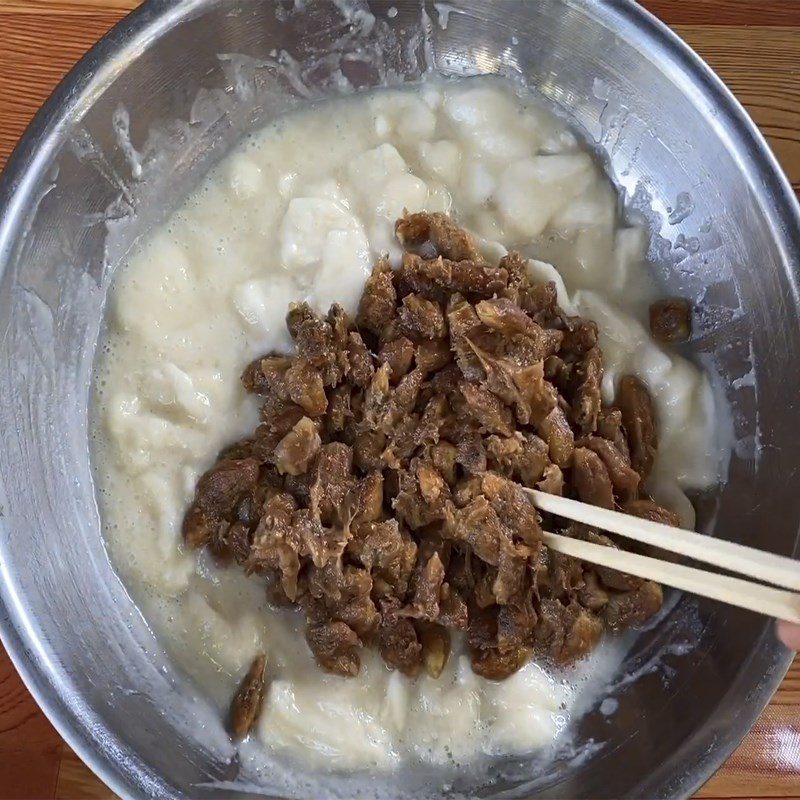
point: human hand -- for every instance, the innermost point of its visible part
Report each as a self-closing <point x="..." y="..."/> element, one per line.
<point x="789" y="634"/>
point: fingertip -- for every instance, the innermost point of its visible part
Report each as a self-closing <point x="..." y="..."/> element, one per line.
<point x="789" y="634"/>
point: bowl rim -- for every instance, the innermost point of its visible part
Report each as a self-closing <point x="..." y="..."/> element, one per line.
<point x="89" y="78"/>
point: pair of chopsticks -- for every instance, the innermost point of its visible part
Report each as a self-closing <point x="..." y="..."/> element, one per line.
<point x="756" y="564"/>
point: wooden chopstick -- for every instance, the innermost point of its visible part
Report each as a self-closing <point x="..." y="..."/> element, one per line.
<point x="766" y="567"/>
<point x="776" y="603"/>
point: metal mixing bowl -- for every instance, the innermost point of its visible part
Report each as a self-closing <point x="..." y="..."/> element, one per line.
<point x="193" y="76"/>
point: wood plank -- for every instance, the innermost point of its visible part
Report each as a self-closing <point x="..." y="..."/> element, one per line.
<point x="767" y="764"/>
<point x="77" y="782"/>
<point x="755" y="47"/>
<point x="69" y="8"/>
<point x="725" y="12"/>
<point x="31" y="64"/>
<point x="30" y="748"/>
<point x="761" y="65"/>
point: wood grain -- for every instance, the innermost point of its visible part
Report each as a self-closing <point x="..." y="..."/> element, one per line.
<point x="31" y="64"/>
<point x="77" y="782"/>
<point x="726" y="12"/>
<point x="761" y="64"/>
<point x="30" y="748"/>
<point x="755" y="47"/>
<point x="69" y="8"/>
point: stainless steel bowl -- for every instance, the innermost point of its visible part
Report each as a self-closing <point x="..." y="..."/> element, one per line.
<point x="191" y="77"/>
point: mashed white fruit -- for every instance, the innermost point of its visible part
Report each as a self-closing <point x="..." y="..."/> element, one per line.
<point x="301" y="211"/>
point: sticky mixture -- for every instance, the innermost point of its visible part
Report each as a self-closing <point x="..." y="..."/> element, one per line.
<point x="301" y="211"/>
<point x="381" y="491"/>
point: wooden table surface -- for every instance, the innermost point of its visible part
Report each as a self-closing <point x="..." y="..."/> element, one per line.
<point x="753" y="44"/>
